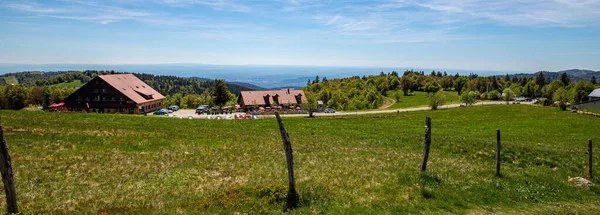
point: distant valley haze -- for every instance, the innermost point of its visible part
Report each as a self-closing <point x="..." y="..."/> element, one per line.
<point x="265" y="76"/>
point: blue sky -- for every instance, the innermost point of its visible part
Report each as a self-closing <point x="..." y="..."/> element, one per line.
<point x="515" y="35"/>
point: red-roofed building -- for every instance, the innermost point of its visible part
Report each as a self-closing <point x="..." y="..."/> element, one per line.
<point x="116" y="93"/>
<point x="270" y="98"/>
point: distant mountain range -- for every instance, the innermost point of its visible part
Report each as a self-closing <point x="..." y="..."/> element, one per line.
<point x="574" y="74"/>
<point x="240" y="84"/>
<point x="247" y="85"/>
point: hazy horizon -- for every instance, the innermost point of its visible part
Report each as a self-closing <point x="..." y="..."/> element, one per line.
<point x="267" y="76"/>
<point x="469" y="35"/>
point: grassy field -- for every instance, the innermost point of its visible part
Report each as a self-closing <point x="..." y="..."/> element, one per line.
<point x="72" y="84"/>
<point x="420" y="99"/>
<point x="592" y="110"/>
<point x="70" y="163"/>
<point x="9" y="80"/>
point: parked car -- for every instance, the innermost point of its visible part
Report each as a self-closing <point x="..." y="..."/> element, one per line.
<point x="173" y="108"/>
<point x="329" y="110"/>
<point x="202" y="109"/>
<point x="161" y="112"/>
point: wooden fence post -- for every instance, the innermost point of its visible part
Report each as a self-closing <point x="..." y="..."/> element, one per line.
<point x="293" y="199"/>
<point x="7" y="175"/>
<point x="427" y="143"/>
<point x="498" y="147"/>
<point x="590" y="158"/>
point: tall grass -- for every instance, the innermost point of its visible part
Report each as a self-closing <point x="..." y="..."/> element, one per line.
<point x="71" y="163"/>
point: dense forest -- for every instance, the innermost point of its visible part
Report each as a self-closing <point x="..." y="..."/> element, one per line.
<point x="166" y="85"/>
<point x="36" y="88"/>
<point x="368" y="92"/>
<point x="18" y="97"/>
<point x="575" y="75"/>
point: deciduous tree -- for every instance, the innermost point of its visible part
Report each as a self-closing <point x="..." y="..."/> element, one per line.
<point x="469" y="98"/>
<point x="508" y="94"/>
<point x="459" y="84"/>
<point x="562" y="97"/>
<point x="437" y="99"/>
<point x="311" y="105"/>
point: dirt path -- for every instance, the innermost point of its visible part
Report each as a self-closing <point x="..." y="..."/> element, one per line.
<point x="387" y="105"/>
<point x="401" y="110"/>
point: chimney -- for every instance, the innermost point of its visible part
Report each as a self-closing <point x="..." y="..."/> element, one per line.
<point x="288" y="91"/>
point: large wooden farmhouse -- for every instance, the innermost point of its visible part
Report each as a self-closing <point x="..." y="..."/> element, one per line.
<point x="270" y="98"/>
<point x="116" y="93"/>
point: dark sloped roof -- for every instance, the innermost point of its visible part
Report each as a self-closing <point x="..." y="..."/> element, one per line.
<point x="132" y="87"/>
<point x="257" y="97"/>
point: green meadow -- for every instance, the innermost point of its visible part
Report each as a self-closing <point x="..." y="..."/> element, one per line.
<point x="72" y="163"/>
<point x="73" y="84"/>
<point x="419" y="99"/>
<point x="592" y="110"/>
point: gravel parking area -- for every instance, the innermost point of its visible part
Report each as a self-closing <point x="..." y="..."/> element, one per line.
<point x="191" y="112"/>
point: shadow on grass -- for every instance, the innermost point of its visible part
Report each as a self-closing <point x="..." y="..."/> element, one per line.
<point x="265" y="198"/>
<point x="427" y="182"/>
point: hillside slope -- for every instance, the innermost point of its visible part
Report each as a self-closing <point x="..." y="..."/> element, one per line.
<point x="8" y="80"/>
<point x="71" y="163"/>
<point x="574" y="74"/>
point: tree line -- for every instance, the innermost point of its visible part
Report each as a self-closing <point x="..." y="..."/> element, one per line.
<point x="186" y="92"/>
<point x="368" y="92"/>
<point x="216" y="95"/>
<point x="18" y="97"/>
<point x="164" y="84"/>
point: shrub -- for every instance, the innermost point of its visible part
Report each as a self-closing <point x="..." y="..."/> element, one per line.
<point x="493" y="95"/>
<point x="469" y="98"/>
<point x="436" y="99"/>
<point x="508" y="95"/>
<point x="562" y="97"/>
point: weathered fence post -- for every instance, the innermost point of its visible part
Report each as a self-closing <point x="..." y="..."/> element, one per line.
<point x="293" y="198"/>
<point x="427" y="143"/>
<point x="590" y="158"/>
<point x="7" y="175"/>
<point x="498" y="147"/>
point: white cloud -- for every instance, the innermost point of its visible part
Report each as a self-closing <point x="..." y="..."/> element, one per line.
<point x="408" y="21"/>
<point x="562" y="13"/>
<point x="333" y="20"/>
<point x="220" y="5"/>
<point x="32" y="8"/>
<point x="377" y="21"/>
